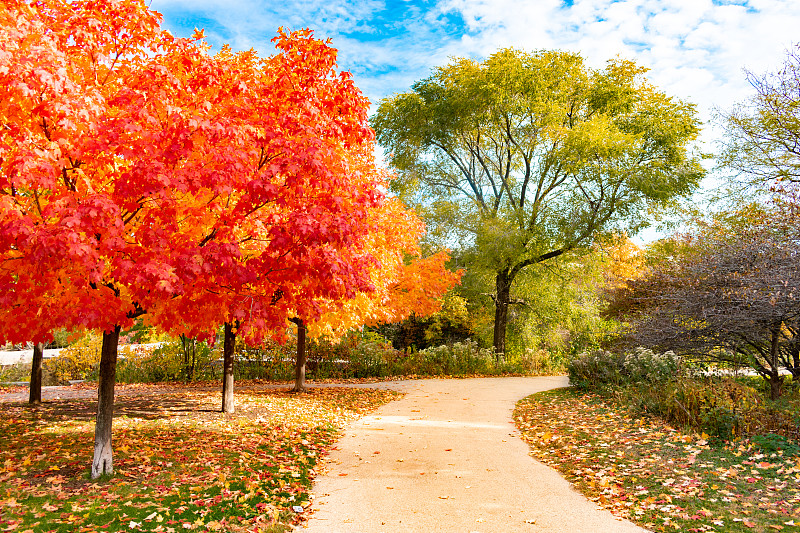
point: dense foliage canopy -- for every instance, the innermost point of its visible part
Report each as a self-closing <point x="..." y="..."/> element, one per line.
<point x="140" y="174"/>
<point x="526" y="156"/>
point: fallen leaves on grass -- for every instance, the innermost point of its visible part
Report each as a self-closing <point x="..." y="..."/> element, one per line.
<point x="662" y="478"/>
<point x="180" y="464"/>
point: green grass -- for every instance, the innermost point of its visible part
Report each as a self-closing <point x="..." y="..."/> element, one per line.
<point x="179" y="464"/>
<point x="660" y="477"/>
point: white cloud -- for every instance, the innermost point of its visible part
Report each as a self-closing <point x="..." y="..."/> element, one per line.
<point x="695" y="49"/>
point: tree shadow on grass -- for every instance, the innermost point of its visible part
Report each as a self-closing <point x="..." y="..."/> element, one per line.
<point x="146" y="408"/>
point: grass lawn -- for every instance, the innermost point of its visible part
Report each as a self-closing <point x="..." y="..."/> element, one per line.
<point x="179" y="463"/>
<point x="657" y="476"/>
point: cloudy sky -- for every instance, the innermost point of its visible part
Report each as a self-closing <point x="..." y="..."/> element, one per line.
<point x="697" y="50"/>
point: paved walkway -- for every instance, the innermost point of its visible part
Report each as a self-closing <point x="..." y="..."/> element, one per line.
<point x="447" y="457"/>
<point x="444" y="458"/>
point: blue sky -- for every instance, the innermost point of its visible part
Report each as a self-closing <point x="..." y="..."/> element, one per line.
<point x="696" y="49"/>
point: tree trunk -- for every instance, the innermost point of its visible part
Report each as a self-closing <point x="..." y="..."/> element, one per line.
<point x="35" y="397"/>
<point x="227" y="368"/>
<point x="793" y="359"/>
<point x="300" y="364"/>
<point x="103" y="455"/>
<point x="775" y="385"/>
<point x="503" y="288"/>
<point x="185" y="352"/>
<point x="775" y="378"/>
<point x="189" y="347"/>
<point x="194" y="359"/>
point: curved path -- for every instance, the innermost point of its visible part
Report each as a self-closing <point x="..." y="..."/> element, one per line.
<point x="447" y="457"/>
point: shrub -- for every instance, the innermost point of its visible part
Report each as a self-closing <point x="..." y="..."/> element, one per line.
<point x="772" y="443"/>
<point x="368" y="354"/>
<point x="459" y="358"/>
<point x="168" y="361"/>
<point x="19" y="372"/>
<point x="534" y="362"/>
<point x="358" y="354"/>
<point x="655" y="384"/>
<point x="719" y="406"/>
<point x="644" y="365"/>
<point x="77" y="361"/>
<point x="596" y="370"/>
<point x="601" y="369"/>
<point x="271" y="360"/>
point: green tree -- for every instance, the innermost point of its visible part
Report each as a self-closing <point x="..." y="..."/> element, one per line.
<point x="526" y="156"/>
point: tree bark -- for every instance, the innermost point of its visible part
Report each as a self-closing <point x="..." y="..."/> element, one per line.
<point x="103" y="462"/>
<point x="189" y="346"/>
<point x="227" y="368"/>
<point x="503" y="289"/>
<point x="35" y="397"/>
<point x="775" y="378"/>
<point x="300" y="364"/>
<point x="775" y="385"/>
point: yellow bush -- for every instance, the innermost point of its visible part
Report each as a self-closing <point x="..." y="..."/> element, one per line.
<point x="78" y="360"/>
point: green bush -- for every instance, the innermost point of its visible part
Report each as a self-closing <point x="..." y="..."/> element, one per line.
<point x="19" y="372"/>
<point x="656" y="384"/>
<point x="647" y="366"/>
<point x="77" y="361"/>
<point x="722" y="407"/>
<point x="459" y="358"/>
<point x="368" y="354"/>
<point x="373" y="356"/>
<point x="271" y="361"/>
<point x="171" y="361"/>
<point x="358" y="354"/>
<point x="596" y="370"/>
<point x="601" y="369"/>
<point x="772" y="443"/>
<point x="538" y="362"/>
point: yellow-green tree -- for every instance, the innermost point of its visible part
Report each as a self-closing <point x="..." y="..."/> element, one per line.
<point x="524" y="157"/>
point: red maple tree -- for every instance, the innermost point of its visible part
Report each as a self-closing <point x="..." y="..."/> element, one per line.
<point x="140" y="174"/>
<point x="297" y="212"/>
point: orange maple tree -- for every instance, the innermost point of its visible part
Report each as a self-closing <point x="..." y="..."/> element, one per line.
<point x="298" y="212"/>
<point x="334" y="256"/>
<point x="403" y="282"/>
<point x="99" y="172"/>
<point x="138" y="173"/>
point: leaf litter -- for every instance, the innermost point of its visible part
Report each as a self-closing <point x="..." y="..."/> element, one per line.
<point x="657" y="476"/>
<point x="180" y="464"/>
